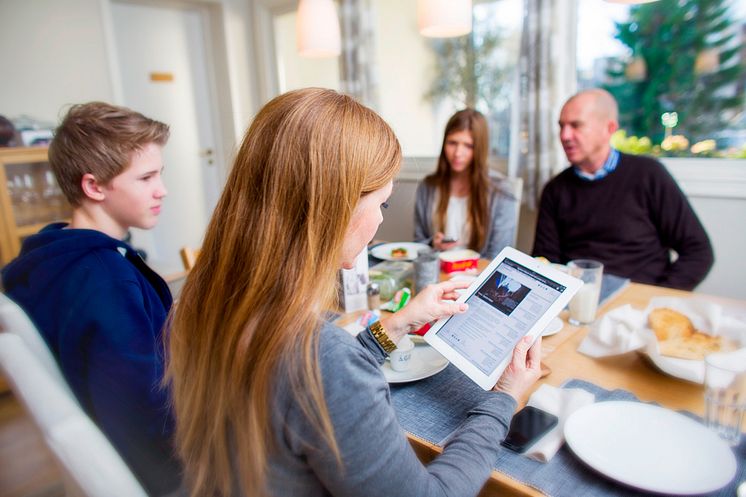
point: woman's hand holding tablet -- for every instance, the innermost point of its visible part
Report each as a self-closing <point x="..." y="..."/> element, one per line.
<point x="515" y="296"/>
<point x="523" y="370"/>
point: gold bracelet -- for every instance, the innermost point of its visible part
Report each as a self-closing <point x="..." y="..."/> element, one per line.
<point x="379" y="333"/>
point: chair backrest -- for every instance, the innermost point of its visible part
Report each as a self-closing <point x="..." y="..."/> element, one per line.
<point x="14" y="320"/>
<point x="514" y="186"/>
<point x="87" y="457"/>
<point x="189" y="257"/>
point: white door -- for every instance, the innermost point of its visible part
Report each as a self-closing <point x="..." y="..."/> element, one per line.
<point x="164" y="74"/>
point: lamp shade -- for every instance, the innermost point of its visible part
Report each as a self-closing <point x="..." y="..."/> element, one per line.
<point x="444" y="18"/>
<point x="317" y="29"/>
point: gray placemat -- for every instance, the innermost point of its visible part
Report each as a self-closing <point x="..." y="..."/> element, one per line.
<point x="433" y="408"/>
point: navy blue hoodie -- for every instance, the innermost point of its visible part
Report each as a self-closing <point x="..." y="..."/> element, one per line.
<point x="101" y="310"/>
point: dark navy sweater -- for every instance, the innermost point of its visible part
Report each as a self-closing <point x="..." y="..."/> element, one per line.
<point x="101" y="310"/>
<point x="628" y="220"/>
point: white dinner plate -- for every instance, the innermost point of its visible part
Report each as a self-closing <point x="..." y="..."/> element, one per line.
<point x="650" y="448"/>
<point x="383" y="251"/>
<point x="554" y="327"/>
<point x="426" y="361"/>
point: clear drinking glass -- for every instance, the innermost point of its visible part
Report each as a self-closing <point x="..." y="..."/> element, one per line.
<point x="725" y="395"/>
<point x="584" y="304"/>
<point x="426" y="269"/>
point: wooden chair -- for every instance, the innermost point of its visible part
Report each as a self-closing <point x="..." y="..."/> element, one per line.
<point x="189" y="257"/>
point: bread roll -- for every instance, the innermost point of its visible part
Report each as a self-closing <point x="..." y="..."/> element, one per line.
<point x="677" y="336"/>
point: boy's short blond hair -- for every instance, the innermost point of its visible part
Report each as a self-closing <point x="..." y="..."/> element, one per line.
<point x="99" y="138"/>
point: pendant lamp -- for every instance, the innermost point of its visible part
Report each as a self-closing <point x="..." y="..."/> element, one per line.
<point x="444" y="18"/>
<point x="317" y="29"/>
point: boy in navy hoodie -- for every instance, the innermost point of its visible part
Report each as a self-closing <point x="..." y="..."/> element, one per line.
<point x="100" y="308"/>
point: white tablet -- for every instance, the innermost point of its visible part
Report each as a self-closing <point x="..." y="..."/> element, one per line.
<point x="515" y="295"/>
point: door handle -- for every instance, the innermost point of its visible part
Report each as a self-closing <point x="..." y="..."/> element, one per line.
<point x="207" y="153"/>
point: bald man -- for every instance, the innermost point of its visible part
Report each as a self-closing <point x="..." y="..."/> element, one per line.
<point x="623" y="210"/>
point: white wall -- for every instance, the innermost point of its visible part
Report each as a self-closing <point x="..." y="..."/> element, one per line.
<point x="296" y="71"/>
<point x="54" y="55"/>
<point x="405" y="64"/>
<point x="61" y="52"/>
<point x="240" y="50"/>
<point x="717" y="191"/>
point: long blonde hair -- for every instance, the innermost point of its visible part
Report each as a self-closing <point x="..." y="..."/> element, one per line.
<point x="249" y="309"/>
<point x="478" y="216"/>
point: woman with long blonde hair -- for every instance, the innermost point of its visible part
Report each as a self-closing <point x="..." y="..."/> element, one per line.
<point x="270" y="399"/>
<point x="460" y="205"/>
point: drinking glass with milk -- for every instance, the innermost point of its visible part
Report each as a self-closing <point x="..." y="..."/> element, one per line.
<point x="584" y="304"/>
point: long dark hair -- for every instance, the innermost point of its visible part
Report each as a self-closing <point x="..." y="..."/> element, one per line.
<point x="478" y="217"/>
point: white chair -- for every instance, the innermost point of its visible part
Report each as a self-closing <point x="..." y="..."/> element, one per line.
<point x="92" y="466"/>
<point x="14" y="320"/>
<point x="513" y="186"/>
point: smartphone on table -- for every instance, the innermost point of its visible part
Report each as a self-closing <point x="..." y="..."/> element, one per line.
<point x="527" y="426"/>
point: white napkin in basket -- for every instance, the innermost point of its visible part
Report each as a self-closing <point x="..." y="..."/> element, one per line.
<point x="625" y="329"/>
<point x="561" y="402"/>
<point x="619" y="331"/>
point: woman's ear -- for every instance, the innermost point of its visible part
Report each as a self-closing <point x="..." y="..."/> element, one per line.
<point x="91" y="188"/>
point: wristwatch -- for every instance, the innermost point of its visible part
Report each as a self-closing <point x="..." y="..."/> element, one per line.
<point x="379" y="333"/>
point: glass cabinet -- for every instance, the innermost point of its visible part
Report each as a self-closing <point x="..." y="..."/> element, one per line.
<point x="29" y="197"/>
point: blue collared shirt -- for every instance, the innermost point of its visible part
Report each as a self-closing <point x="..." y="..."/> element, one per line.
<point x="611" y="162"/>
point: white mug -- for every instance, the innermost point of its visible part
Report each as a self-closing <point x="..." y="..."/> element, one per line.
<point x="401" y="357"/>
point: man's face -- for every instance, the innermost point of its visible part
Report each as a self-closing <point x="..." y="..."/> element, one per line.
<point x="585" y="133"/>
<point x="134" y="197"/>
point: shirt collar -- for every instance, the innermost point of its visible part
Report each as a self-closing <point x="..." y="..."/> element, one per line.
<point x="609" y="165"/>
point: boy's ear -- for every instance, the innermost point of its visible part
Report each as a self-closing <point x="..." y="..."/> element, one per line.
<point x="91" y="188"/>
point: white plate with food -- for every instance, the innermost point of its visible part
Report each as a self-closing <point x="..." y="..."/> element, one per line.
<point x="425" y="362"/>
<point x="682" y="332"/>
<point x="398" y="251"/>
<point x="650" y="448"/>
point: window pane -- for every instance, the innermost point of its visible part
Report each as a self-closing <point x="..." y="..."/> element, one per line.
<point x="295" y="71"/>
<point x="677" y="69"/>
<point x="404" y="64"/>
<point x="422" y="82"/>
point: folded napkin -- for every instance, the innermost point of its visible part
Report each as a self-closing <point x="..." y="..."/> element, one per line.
<point x="561" y="402"/>
<point x="625" y="329"/>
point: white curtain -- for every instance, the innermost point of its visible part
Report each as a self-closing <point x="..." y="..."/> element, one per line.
<point x="357" y="63"/>
<point x="546" y="78"/>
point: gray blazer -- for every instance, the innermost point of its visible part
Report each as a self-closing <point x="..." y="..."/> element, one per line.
<point x="502" y="206"/>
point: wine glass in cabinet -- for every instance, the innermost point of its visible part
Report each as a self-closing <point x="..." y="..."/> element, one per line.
<point x="29" y="197"/>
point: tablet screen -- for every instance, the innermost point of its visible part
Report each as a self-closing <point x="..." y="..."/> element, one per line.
<point x="501" y="311"/>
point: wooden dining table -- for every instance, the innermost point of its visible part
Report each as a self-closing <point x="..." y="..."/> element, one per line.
<point x="630" y="371"/>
